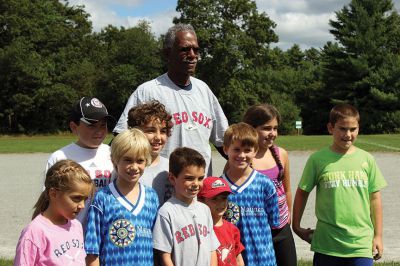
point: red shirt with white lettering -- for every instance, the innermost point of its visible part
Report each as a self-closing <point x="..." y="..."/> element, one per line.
<point x="229" y="238"/>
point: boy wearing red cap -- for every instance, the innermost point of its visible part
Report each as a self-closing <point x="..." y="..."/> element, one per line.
<point x="214" y="194"/>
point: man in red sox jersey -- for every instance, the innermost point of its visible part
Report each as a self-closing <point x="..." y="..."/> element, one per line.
<point x="196" y="113"/>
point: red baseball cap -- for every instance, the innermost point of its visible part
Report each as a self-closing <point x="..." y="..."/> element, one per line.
<point x="212" y="186"/>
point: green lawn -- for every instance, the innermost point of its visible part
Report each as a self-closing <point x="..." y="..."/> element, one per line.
<point x="38" y="143"/>
<point x="50" y="143"/>
<point x="4" y="262"/>
<point x="387" y="142"/>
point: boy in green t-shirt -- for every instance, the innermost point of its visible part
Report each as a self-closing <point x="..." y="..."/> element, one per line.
<point x="348" y="200"/>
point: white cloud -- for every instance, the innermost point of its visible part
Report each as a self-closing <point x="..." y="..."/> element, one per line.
<point x="305" y="30"/>
<point x="101" y="15"/>
<point x="159" y="22"/>
<point x="305" y="22"/>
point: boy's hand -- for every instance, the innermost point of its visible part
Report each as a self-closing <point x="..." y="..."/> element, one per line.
<point x="377" y="248"/>
<point x="305" y="234"/>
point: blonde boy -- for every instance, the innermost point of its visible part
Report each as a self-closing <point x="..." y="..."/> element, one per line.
<point x="348" y="201"/>
<point x="183" y="233"/>
<point x="122" y="215"/>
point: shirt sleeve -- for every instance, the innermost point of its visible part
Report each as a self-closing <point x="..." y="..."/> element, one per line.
<point x="213" y="237"/>
<point x="376" y="180"/>
<point x="238" y="244"/>
<point x="308" y="179"/>
<point x="27" y="253"/>
<point x="162" y="234"/>
<point x="93" y="235"/>
<point x="271" y="205"/>
<point x="220" y="123"/>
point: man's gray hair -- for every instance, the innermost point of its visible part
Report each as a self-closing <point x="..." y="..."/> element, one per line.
<point x="169" y="39"/>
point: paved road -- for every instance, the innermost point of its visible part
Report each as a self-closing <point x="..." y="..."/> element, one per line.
<point x="21" y="177"/>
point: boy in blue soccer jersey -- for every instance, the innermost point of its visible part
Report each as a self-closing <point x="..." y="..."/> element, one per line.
<point x="122" y="215"/>
<point x="183" y="233"/>
<point x="253" y="204"/>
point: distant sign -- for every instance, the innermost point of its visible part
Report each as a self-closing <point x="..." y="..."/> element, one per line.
<point x="298" y="124"/>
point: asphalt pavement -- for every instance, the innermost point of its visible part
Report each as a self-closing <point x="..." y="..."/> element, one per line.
<point x="22" y="176"/>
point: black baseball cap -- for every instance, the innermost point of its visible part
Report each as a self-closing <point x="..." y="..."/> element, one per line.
<point x="90" y="110"/>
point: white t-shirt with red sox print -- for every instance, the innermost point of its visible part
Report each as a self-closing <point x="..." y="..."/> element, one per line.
<point x="196" y="114"/>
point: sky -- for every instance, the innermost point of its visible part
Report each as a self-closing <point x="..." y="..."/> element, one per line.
<point x="305" y="22"/>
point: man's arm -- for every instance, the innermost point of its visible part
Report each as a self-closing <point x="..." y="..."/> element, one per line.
<point x="286" y="180"/>
<point x="221" y="151"/>
<point x="300" y="201"/>
<point x="376" y="216"/>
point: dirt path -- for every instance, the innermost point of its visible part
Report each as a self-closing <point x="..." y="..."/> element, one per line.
<point x="22" y="175"/>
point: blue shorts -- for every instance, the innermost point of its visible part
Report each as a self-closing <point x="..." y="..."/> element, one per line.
<point x="326" y="260"/>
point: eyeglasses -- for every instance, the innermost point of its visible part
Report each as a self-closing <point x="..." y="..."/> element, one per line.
<point x="187" y="49"/>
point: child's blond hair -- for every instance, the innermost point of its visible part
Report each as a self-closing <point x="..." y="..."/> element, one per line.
<point x="133" y="142"/>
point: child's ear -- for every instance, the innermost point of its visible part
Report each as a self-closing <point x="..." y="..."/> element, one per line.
<point x="329" y="126"/>
<point x="52" y="193"/>
<point x="171" y="178"/>
<point x="73" y="126"/>
<point x="115" y="165"/>
<point x="225" y="149"/>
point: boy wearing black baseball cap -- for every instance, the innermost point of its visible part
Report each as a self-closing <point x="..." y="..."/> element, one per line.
<point x="214" y="194"/>
<point x="88" y="121"/>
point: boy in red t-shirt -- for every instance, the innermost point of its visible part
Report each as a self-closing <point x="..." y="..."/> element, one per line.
<point x="214" y="194"/>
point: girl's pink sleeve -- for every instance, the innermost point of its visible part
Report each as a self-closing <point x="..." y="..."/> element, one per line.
<point x="27" y="253"/>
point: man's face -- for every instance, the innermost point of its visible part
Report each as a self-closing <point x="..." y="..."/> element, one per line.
<point x="184" y="54"/>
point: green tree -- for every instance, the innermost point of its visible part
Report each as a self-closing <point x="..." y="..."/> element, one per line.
<point x="361" y="68"/>
<point x="45" y="49"/>
<point x="234" y="39"/>
<point x="233" y="36"/>
<point x="132" y="57"/>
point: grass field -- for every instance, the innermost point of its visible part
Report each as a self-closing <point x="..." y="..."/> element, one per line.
<point x="50" y="143"/>
<point x="4" y="262"/>
<point x="39" y="143"/>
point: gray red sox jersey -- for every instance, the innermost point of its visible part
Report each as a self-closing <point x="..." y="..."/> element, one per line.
<point x="196" y="114"/>
<point x="185" y="231"/>
<point x="97" y="162"/>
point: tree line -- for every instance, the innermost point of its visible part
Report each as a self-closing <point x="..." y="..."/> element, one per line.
<point x="50" y="56"/>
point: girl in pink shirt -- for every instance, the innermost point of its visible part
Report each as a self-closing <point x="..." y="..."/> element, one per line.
<point x="273" y="162"/>
<point x="53" y="237"/>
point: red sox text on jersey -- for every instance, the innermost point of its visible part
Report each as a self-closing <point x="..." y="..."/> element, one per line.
<point x="189" y="231"/>
<point x="199" y="118"/>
